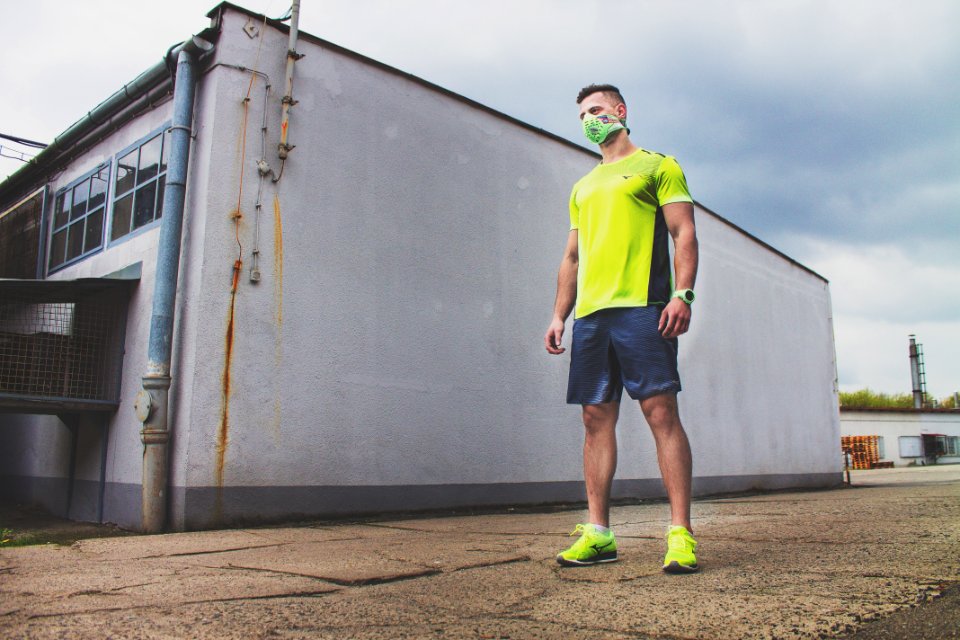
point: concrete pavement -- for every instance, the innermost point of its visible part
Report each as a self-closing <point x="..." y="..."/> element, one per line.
<point x="782" y="565"/>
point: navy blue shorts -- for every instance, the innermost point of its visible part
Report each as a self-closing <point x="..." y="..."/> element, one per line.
<point x="617" y="348"/>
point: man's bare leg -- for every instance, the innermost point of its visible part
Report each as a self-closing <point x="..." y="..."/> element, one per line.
<point x="600" y="457"/>
<point x="673" y="453"/>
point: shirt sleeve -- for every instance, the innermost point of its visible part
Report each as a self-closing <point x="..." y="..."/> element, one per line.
<point x="574" y="210"/>
<point x="671" y="183"/>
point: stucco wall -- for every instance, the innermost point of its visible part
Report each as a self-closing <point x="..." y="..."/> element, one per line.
<point x="398" y="363"/>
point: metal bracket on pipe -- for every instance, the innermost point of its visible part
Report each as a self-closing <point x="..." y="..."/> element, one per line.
<point x="155" y="436"/>
<point x="143" y="405"/>
<point x="189" y="131"/>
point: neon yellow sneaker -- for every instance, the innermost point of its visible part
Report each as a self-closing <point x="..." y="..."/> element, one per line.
<point x="680" y="548"/>
<point x="592" y="547"/>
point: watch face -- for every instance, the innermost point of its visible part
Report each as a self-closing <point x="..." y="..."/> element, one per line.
<point x="688" y="295"/>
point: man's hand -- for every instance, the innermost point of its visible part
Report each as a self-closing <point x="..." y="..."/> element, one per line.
<point x="675" y="319"/>
<point x="554" y="334"/>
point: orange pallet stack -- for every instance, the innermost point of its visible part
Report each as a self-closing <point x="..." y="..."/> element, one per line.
<point x="864" y="450"/>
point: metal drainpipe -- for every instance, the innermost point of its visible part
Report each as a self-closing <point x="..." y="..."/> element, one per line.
<point x="283" y="149"/>
<point x="152" y="400"/>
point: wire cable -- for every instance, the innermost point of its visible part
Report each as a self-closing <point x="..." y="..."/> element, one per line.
<point x="20" y="155"/>
<point x="25" y="142"/>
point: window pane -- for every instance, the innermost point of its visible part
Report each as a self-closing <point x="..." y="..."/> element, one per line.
<point x="57" y="248"/>
<point x="166" y="151"/>
<point x="80" y="194"/>
<point x="61" y="212"/>
<point x="161" y="183"/>
<point x="94" y="233"/>
<point x="121" y="217"/>
<point x="75" y="240"/>
<point x="126" y="171"/>
<point x="98" y="188"/>
<point x="143" y="206"/>
<point x="149" y="160"/>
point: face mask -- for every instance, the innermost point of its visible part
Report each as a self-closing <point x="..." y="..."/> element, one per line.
<point x="598" y="128"/>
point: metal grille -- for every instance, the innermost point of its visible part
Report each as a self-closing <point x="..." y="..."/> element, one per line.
<point x="62" y="344"/>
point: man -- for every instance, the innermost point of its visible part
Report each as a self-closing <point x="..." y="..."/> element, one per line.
<point x="616" y="268"/>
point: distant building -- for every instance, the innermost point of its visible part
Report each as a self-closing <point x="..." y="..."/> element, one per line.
<point x="907" y="437"/>
<point x="357" y="328"/>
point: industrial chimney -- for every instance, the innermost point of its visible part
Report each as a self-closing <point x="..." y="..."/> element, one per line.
<point x="917" y="373"/>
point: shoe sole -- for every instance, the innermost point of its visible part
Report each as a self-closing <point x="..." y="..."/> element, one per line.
<point x="586" y="563"/>
<point x="676" y="567"/>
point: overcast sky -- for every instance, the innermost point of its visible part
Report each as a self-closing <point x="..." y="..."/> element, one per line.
<point x="829" y="129"/>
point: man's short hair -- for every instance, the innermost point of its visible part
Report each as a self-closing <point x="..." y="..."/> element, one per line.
<point x="607" y="89"/>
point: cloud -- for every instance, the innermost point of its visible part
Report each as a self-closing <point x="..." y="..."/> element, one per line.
<point x="873" y="353"/>
<point x="882" y="294"/>
<point x="885" y="281"/>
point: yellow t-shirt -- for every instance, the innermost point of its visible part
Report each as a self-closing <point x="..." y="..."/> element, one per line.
<point x="622" y="236"/>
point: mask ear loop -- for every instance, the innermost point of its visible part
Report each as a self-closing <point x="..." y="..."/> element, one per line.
<point x="623" y="121"/>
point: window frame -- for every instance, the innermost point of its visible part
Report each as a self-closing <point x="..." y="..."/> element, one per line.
<point x="951" y="446"/>
<point x="70" y="222"/>
<point x="163" y="132"/>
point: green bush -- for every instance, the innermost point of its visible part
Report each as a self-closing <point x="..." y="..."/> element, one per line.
<point x="867" y="399"/>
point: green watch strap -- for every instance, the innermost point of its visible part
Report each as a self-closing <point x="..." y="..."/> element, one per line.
<point x="685" y="294"/>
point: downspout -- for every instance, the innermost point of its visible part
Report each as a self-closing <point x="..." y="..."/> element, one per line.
<point x="152" y="400"/>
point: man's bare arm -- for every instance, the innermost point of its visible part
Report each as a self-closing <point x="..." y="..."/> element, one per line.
<point x="566" y="294"/>
<point x="675" y="319"/>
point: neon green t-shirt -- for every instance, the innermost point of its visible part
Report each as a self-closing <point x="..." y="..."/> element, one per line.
<point x="622" y="236"/>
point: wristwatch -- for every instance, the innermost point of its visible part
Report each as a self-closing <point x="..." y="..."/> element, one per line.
<point x="684" y="294"/>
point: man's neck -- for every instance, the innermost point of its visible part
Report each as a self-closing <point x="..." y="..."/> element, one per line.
<point x="618" y="148"/>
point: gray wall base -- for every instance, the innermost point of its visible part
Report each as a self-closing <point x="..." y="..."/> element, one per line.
<point x="208" y="507"/>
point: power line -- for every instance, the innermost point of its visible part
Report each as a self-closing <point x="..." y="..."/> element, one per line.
<point x="5" y="152"/>
<point x="25" y="142"/>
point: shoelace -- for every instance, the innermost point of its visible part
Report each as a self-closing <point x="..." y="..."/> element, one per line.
<point x="677" y="542"/>
<point x="579" y="530"/>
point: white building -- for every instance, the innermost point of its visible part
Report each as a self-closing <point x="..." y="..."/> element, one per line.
<point x="366" y="335"/>
<point x="907" y="436"/>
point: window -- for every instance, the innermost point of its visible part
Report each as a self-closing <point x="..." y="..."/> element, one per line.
<point x="78" y="215"/>
<point x="138" y="186"/>
<point x="911" y="446"/>
<point x="20" y="237"/>
<point x="951" y="445"/>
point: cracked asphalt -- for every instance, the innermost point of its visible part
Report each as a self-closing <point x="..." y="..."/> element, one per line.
<point x="818" y="564"/>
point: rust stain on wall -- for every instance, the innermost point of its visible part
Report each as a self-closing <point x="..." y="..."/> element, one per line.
<point x="278" y="260"/>
<point x="278" y="301"/>
<point x="224" y="431"/>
